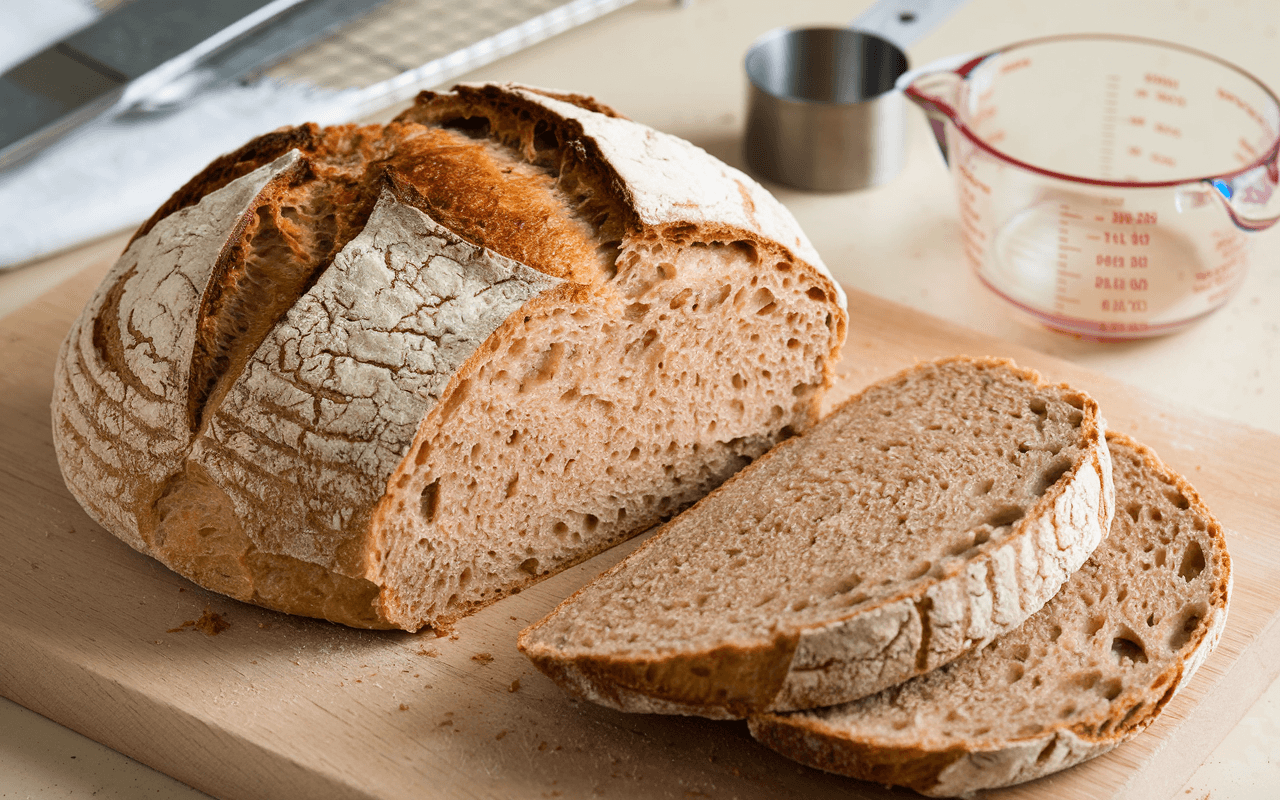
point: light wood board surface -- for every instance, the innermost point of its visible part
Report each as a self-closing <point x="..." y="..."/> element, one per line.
<point x="292" y="708"/>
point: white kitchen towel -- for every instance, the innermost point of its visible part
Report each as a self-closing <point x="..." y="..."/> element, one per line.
<point x="111" y="174"/>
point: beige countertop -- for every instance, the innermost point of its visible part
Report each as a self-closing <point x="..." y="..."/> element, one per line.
<point x="680" y="70"/>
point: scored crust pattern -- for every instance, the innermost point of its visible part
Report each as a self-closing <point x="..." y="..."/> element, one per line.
<point x="247" y="395"/>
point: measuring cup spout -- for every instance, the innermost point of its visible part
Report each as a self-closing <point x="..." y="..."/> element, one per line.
<point x="936" y="89"/>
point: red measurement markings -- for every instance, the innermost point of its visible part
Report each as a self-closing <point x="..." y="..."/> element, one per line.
<point x="972" y="179"/>
<point x="1137" y="122"/>
<point x="1235" y="100"/>
<point x="1171" y="98"/>
<point x="1156" y="78"/>
<point x="1014" y="66"/>
<point x="1132" y="284"/>
<point x="1120" y="305"/>
<point x="1164" y="160"/>
<point x="1133" y="218"/>
<point x="1168" y="130"/>
<point x="1126" y="237"/>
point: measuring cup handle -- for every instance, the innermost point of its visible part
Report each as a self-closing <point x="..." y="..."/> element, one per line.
<point x="1251" y="196"/>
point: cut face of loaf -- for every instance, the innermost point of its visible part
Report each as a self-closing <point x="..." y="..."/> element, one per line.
<point x="385" y="375"/>
<point x="1091" y="669"/>
<point x="931" y="513"/>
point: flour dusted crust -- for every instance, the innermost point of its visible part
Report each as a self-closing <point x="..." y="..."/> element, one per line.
<point x="1067" y="697"/>
<point x="846" y="653"/>
<point x="142" y="377"/>
<point x="263" y="391"/>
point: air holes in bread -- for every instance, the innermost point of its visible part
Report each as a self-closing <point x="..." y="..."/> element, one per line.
<point x="1179" y="500"/>
<point x="764" y="301"/>
<point x="430" y="500"/>
<point x="544" y="139"/>
<point x="1192" y="562"/>
<point x="1186" y="626"/>
<point x="530" y="566"/>
<point x="1005" y="515"/>
<point x="1110" y="689"/>
<point x="472" y="127"/>
<point x="1126" y="650"/>
<point x="817" y="294"/>
<point x="1051" y="475"/>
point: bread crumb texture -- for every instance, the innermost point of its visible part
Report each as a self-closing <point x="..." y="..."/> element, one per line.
<point x="1091" y="669"/>
<point x="922" y="518"/>
<point x="385" y="375"/>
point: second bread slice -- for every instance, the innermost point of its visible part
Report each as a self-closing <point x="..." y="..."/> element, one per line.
<point x="1091" y="669"/>
<point x="931" y="513"/>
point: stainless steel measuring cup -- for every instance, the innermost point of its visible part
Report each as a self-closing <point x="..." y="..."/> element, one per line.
<point x="823" y="113"/>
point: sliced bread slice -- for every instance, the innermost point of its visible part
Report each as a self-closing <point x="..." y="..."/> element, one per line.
<point x="933" y="512"/>
<point x="1094" y="667"/>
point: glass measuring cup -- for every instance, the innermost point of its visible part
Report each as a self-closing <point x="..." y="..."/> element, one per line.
<point x="1093" y="171"/>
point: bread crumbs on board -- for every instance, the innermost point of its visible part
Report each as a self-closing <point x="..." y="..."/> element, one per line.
<point x="483" y="659"/>
<point x="210" y="623"/>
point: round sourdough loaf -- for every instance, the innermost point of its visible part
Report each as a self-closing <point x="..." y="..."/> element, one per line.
<point x="384" y="375"/>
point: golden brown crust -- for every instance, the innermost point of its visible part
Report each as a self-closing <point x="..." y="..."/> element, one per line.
<point x="736" y="679"/>
<point x="817" y="747"/>
<point x="236" y="164"/>
<point x="530" y="187"/>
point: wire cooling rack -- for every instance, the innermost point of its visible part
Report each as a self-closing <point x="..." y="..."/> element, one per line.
<point x="404" y="46"/>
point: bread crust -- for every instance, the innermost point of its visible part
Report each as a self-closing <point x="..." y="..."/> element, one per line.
<point x="879" y="644"/>
<point x="244" y="474"/>
<point x="939" y="769"/>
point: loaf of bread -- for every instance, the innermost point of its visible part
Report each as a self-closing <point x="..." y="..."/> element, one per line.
<point x="1091" y="669"/>
<point x="384" y="375"/>
<point x="931" y="513"/>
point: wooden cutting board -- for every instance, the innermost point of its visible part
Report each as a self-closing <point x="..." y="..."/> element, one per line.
<point x="92" y="635"/>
